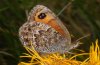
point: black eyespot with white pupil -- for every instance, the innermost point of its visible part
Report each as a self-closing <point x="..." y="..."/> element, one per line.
<point x="41" y="15"/>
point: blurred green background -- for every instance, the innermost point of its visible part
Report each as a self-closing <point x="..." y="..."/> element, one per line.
<point x="81" y="18"/>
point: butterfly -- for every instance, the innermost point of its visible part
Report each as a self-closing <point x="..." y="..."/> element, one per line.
<point x="45" y="31"/>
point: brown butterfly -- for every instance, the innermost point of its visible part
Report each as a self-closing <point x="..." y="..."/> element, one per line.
<point x="45" y="31"/>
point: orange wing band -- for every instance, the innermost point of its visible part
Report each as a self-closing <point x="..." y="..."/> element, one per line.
<point x="54" y="25"/>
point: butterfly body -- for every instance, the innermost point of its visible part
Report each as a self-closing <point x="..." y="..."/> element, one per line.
<point x="45" y="31"/>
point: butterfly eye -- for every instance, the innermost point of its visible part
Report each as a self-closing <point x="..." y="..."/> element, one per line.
<point x="41" y="15"/>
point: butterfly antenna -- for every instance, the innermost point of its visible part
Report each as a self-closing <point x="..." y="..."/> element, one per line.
<point x="65" y="7"/>
<point x="26" y="11"/>
<point x="82" y="37"/>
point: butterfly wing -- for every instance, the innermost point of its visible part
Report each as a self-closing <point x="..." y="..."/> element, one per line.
<point x="50" y="19"/>
<point x="46" y="32"/>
